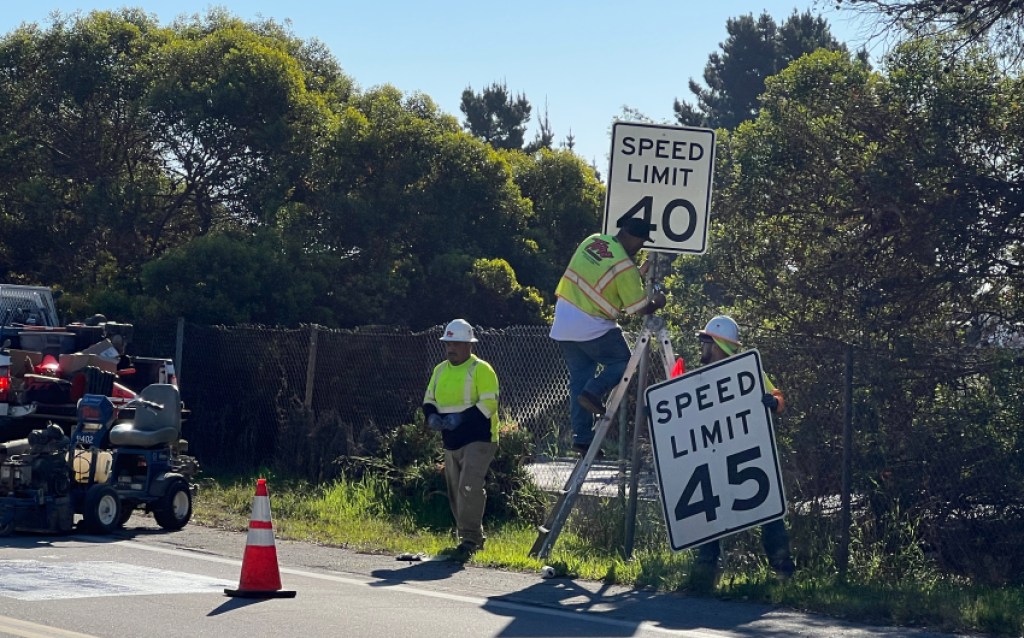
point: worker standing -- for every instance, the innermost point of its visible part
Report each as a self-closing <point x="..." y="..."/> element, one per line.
<point x="720" y="339"/>
<point x="461" y="402"/>
<point x="601" y="283"/>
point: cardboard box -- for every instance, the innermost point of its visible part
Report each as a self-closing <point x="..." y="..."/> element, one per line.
<point x="103" y="349"/>
<point x="24" y="361"/>
<point x="102" y="355"/>
<point x="71" y="363"/>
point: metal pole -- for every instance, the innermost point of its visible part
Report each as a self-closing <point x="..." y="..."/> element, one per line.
<point x="621" y="470"/>
<point x="179" y="340"/>
<point x="310" y="368"/>
<point x="845" y="517"/>
<point x="653" y="279"/>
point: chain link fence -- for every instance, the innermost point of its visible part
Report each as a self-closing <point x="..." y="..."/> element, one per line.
<point x="934" y="441"/>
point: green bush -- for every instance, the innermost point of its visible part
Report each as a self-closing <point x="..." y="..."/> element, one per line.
<point x="411" y="460"/>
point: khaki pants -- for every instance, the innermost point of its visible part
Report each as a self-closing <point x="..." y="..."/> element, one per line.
<point x="464" y="472"/>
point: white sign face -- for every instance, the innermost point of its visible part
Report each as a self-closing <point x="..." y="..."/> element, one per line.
<point x="714" y="451"/>
<point x="662" y="174"/>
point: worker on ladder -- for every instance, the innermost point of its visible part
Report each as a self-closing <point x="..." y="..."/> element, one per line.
<point x="601" y="283"/>
<point x="720" y="339"/>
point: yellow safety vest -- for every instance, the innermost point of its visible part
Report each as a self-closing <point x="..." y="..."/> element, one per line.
<point x="602" y="280"/>
<point x="457" y="388"/>
<point x="730" y="349"/>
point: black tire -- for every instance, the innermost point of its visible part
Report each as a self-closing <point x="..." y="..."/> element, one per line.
<point x="174" y="509"/>
<point x="126" y="512"/>
<point x="102" y="513"/>
<point x="6" y="528"/>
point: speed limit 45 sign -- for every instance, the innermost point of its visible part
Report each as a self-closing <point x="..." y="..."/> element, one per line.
<point x="664" y="175"/>
<point x="714" y="451"/>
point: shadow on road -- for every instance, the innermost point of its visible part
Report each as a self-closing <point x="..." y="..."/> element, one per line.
<point x="416" y="572"/>
<point x="592" y="609"/>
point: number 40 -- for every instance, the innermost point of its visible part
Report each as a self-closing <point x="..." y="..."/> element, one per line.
<point x="646" y="204"/>
<point x="709" y="502"/>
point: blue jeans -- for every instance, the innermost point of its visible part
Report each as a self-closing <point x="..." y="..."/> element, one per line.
<point x="582" y="358"/>
<point x="774" y="538"/>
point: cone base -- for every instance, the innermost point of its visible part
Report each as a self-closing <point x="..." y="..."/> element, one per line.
<point x="259" y="593"/>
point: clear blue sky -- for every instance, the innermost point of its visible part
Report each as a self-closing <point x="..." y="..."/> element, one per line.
<point x="580" y="61"/>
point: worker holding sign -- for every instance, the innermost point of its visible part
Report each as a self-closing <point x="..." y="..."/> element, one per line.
<point x="720" y="339"/>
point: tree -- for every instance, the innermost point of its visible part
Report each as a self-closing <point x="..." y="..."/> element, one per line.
<point x="881" y="212"/>
<point x="967" y="22"/>
<point x="405" y="205"/>
<point x="754" y="51"/>
<point x="495" y="116"/>
<point x="124" y="139"/>
<point x="545" y="136"/>
<point x="884" y="207"/>
<point x="567" y="201"/>
<point x="227" y="278"/>
<point x="234" y="119"/>
<point x="79" y="179"/>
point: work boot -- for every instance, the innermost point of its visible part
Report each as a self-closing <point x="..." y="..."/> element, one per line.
<point x="465" y="550"/>
<point x="590" y="402"/>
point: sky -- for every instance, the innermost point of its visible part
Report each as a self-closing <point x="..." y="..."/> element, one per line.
<point x="579" y="62"/>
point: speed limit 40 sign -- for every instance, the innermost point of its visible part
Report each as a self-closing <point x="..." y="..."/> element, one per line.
<point x="664" y="175"/>
<point x="714" y="451"/>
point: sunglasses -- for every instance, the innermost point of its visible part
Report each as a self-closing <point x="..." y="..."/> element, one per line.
<point x="705" y="339"/>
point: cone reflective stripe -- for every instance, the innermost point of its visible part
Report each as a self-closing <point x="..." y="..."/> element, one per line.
<point x="261" y="577"/>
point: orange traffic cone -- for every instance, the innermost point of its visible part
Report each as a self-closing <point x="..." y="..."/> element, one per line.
<point x="260" y="575"/>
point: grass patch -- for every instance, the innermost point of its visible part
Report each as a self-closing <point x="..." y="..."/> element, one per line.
<point x="364" y="515"/>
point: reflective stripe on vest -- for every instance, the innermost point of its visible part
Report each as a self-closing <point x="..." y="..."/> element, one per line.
<point x="592" y="284"/>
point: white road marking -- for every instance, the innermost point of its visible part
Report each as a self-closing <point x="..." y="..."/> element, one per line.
<point x="39" y="580"/>
<point x="471" y="600"/>
<point x="24" y="629"/>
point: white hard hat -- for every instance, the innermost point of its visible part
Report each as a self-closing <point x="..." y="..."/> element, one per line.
<point x="724" y="328"/>
<point x="459" y="330"/>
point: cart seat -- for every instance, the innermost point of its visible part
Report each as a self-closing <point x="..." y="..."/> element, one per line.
<point x="151" y="427"/>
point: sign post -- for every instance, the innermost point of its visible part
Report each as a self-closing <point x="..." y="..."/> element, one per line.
<point x="664" y="175"/>
<point x="714" y="451"/>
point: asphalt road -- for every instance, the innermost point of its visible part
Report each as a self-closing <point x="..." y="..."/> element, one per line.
<point x="147" y="583"/>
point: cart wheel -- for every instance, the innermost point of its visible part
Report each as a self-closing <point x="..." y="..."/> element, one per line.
<point x="175" y="507"/>
<point x="102" y="512"/>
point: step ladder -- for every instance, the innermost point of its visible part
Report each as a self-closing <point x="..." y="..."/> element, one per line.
<point x="548" y="532"/>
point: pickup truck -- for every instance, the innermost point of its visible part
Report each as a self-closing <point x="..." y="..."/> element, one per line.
<point x="47" y="365"/>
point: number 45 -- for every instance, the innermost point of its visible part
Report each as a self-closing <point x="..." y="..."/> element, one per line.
<point x="646" y="205"/>
<point x="709" y="501"/>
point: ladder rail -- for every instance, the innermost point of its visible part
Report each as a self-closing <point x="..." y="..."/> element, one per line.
<point x="548" y="532"/>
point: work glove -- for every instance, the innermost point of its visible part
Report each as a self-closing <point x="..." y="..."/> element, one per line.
<point x="770" y="401"/>
<point x="435" y="422"/>
<point x="452" y="421"/>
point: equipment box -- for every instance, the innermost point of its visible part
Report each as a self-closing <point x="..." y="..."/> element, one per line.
<point x="47" y="342"/>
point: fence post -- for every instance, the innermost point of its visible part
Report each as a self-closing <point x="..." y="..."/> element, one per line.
<point x="845" y="519"/>
<point x="310" y="368"/>
<point x="179" y="340"/>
